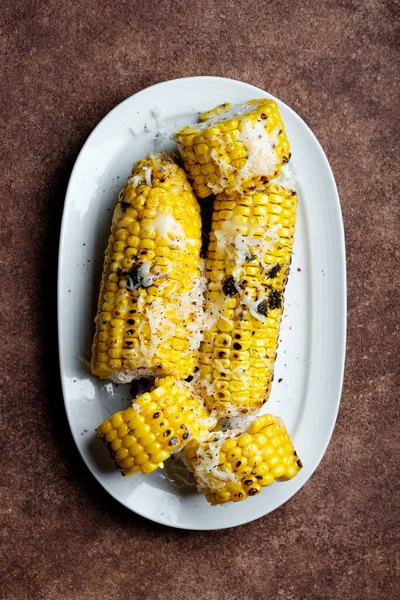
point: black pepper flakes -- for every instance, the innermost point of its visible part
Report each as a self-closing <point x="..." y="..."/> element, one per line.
<point x="173" y="441"/>
<point x="124" y="205"/>
<point x="156" y="415"/>
<point x="237" y="346"/>
<point x="167" y="432"/>
<point x="186" y="435"/>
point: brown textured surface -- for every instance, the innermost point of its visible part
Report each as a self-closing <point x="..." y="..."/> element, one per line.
<point x="66" y="65"/>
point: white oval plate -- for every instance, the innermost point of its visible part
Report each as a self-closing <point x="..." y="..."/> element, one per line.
<point x="309" y="368"/>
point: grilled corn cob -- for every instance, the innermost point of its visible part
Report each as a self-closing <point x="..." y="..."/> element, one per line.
<point x="152" y="289"/>
<point x="235" y="464"/>
<point x="158" y="424"/>
<point x="247" y="266"/>
<point x="235" y="149"/>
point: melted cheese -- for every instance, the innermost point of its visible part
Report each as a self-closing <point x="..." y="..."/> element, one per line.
<point x="260" y="146"/>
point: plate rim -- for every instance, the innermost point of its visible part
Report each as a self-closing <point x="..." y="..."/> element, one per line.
<point x="340" y="247"/>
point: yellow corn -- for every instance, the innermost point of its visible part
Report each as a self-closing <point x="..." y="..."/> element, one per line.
<point x="233" y="150"/>
<point x="215" y="112"/>
<point x="159" y="423"/>
<point x="150" y="291"/>
<point x="247" y="266"/>
<point x="232" y="465"/>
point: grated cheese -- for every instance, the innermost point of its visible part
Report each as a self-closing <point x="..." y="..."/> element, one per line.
<point x="260" y="145"/>
<point x="147" y="175"/>
<point x="241" y="249"/>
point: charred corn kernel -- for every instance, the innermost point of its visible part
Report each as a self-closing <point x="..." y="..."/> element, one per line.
<point x="146" y="438"/>
<point x="151" y="286"/>
<point x="219" y="472"/>
<point x="241" y="147"/>
<point x="241" y="351"/>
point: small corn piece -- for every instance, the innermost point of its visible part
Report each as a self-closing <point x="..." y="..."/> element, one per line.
<point x="151" y="288"/>
<point x="235" y="149"/>
<point x="247" y="266"/>
<point x="232" y="465"/>
<point x="158" y="424"/>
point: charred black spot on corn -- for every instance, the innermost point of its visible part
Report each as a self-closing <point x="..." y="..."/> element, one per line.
<point x="274" y="271"/>
<point x="275" y="299"/>
<point x="228" y="286"/>
<point x="262" y="308"/>
<point x="124" y="205"/>
<point x="134" y="278"/>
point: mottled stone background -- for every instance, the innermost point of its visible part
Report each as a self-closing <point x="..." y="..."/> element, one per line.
<point x="66" y="64"/>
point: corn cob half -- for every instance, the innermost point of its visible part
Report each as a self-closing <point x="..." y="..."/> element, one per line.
<point x="247" y="265"/>
<point x="158" y="424"/>
<point x="152" y="288"/>
<point x="232" y="465"/>
<point x="232" y="150"/>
